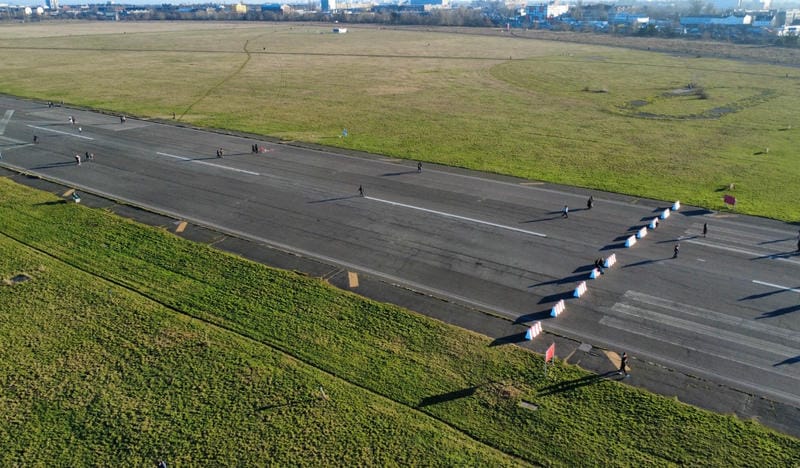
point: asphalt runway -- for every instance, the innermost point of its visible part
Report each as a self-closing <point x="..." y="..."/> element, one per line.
<point x="727" y="309"/>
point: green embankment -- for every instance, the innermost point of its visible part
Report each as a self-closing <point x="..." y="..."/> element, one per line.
<point x="129" y="344"/>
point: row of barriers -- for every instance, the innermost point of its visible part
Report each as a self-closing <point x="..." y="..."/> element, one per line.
<point x="581" y="289"/>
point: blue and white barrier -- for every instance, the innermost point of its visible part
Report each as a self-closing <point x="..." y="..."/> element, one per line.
<point x="642" y="232"/>
<point x="653" y="223"/>
<point x="676" y="206"/>
<point x="580" y="290"/>
<point x="594" y="274"/>
<point x="665" y="214"/>
<point x="630" y="241"/>
<point x="534" y="331"/>
<point x="557" y="309"/>
<point x="612" y="259"/>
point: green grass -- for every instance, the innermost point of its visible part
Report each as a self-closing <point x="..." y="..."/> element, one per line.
<point x="129" y="344"/>
<point x="584" y="115"/>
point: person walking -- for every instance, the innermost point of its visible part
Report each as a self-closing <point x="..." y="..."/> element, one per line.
<point x="35" y="139"/>
<point x="419" y="167"/>
<point x="675" y="250"/>
<point x="361" y="190"/>
<point x="590" y="202"/>
<point x="623" y="364"/>
<point x="78" y="159"/>
<point x="599" y="265"/>
<point x="565" y="212"/>
<point x="705" y="229"/>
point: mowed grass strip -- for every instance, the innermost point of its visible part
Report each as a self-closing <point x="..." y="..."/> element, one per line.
<point x="94" y="374"/>
<point x="426" y="366"/>
<point x="584" y="115"/>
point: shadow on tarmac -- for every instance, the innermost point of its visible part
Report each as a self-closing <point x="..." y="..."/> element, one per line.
<point x="792" y="360"/>
<point x="540" y="219"/>
<point x="58" y="164"/>
<point x="545" y="314"/>
<point x="510" y="339"/>
<point x="577" y="383"/>
<point x="646" y="262"/>
<point x="779" y="312"/>
<point x="556" y="297"/>
<point x="334" y="199"/>
<point x="392" y="174"/>
<point x="788" y="254"/>
<point x="568" y="279"/>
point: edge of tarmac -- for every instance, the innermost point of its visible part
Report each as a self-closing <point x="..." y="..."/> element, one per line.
<point x="648" y="375"/>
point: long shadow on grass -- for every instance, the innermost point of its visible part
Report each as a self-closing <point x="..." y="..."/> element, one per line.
<point x="57" y="202"/>
<point x="449" y="396"/>
<point x="290" y="403"/>
<point x="577" y="383"/>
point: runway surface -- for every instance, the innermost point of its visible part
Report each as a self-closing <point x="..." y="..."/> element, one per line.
<point x="727" y="309"/>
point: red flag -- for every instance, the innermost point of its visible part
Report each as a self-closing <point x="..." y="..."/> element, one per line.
<point x="551" y="353"/>
<point x="729" y="200"/>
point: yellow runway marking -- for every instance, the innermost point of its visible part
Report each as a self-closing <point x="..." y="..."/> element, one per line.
<point x="614" y="358"/>
<point x="352" y="278"/>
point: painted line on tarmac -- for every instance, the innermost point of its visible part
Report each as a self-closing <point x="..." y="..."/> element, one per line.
<point x="625" y="312"/>
<point x="59" y="131"/>
<point x="743" y="251"/>
<point x="462" y="218"/>
<point x="551" y="325"/>
<point x="641" y="330"/>
<point x="5" y="119"/>
<point x="207" y="163"/>
<point x="777" y="286"/>
<point x="677" y="308"/>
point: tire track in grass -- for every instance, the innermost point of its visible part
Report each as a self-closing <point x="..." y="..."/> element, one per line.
<point x="223" y="80"/>
<point x="276" y="348"/>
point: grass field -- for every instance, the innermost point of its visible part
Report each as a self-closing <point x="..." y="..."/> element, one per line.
<point x="128" y="344"/>
<point x="591" y="116"/>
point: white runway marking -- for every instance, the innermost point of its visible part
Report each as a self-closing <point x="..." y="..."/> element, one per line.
<point x="207" y="163"/>
<point x="742" y="251"/>
<point x="5" y="120"/>
<point x="463" y="218"/>
<point x="59" y="131"/>
<point x="777" y="286"/>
